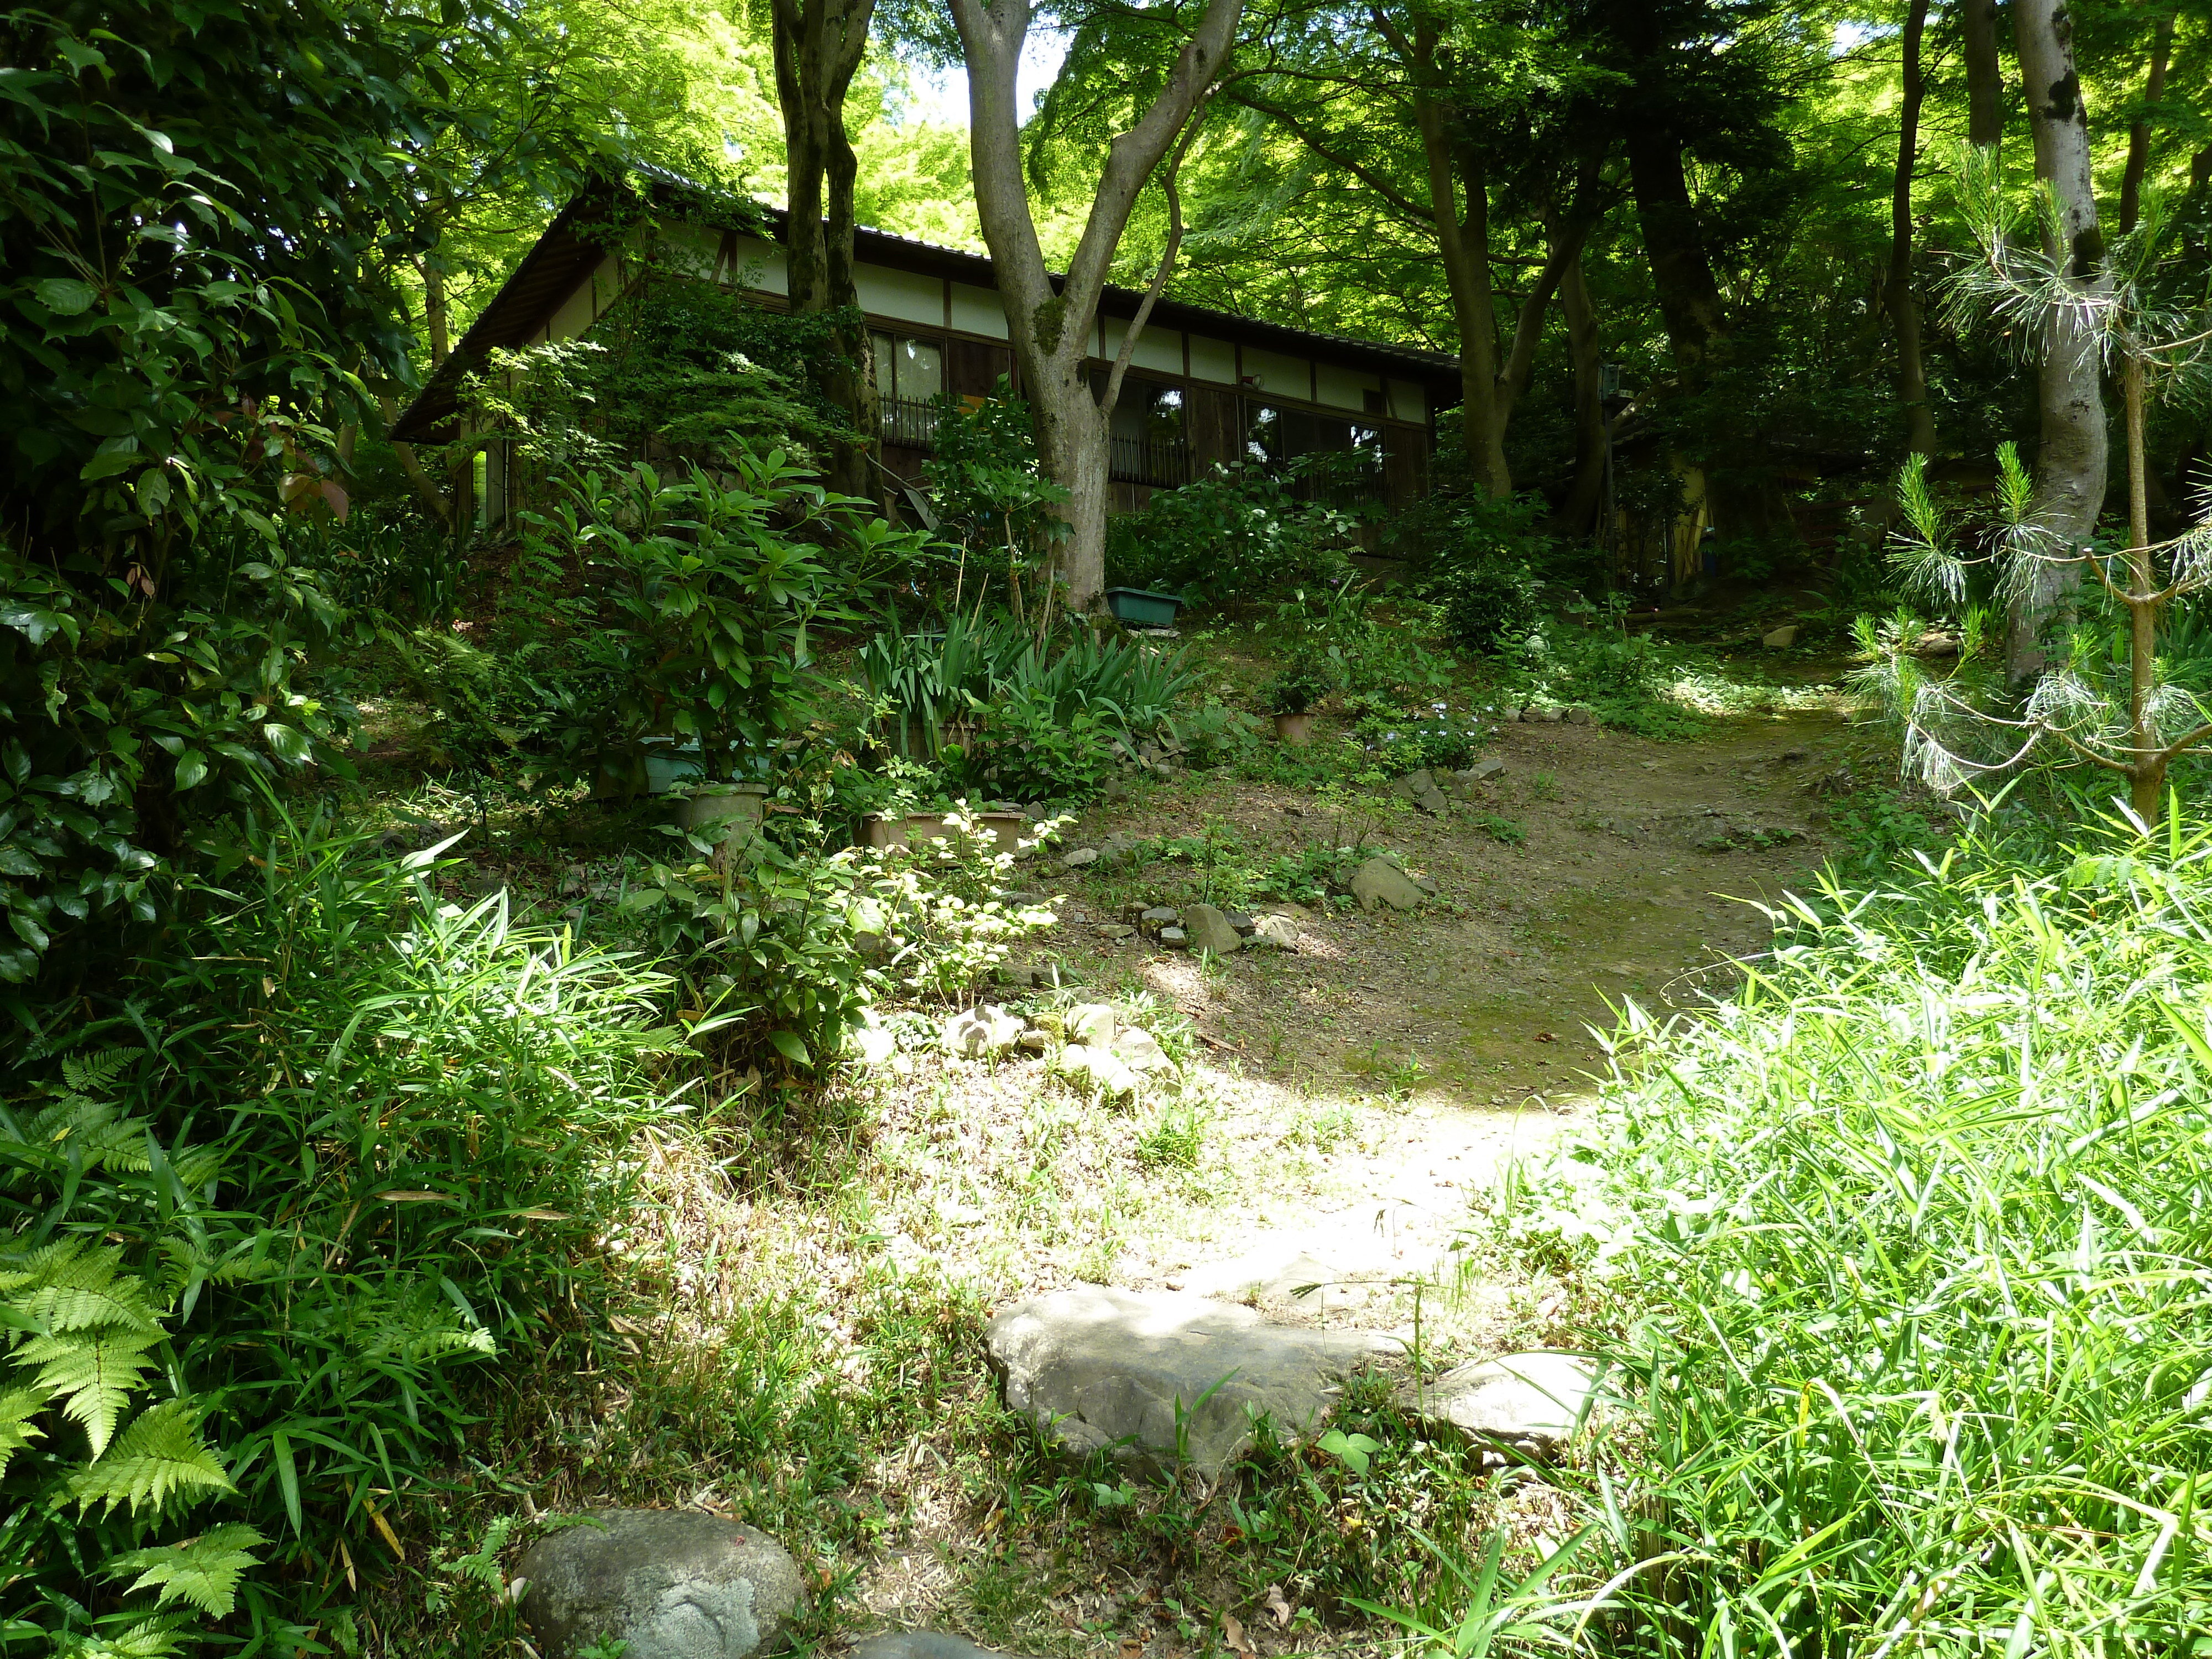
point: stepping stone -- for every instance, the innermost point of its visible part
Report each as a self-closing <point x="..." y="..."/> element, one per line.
<point x="1316" y="1268"/>
<point x="981" y="1031"/>
<point x="1099" y="1370"/>
<point x="923" y="1645"/>
<point x="1210" y="929"/>
<point x="672" y="1583"/>
<point x="1378" y="882"/>
<point x="1529" y="1402"/>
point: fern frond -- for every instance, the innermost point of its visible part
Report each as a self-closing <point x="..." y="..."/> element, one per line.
<point x="93" y="1074"/>
<point x="160" y="1457"/>
<point x="161" y="1636"/>
<point x="17" y="1407"/>
<point x="95" y="1374"/>
<point x="204" y="1571"/>
<point x="68" y="1287"/>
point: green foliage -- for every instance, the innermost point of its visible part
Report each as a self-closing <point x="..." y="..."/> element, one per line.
<point x="676" y="366"/>
<point x="991" y="496"/>
<point x="362" y="1140"/>
<point x="786" y="953"/>
<point x="703" y="594"/>
<point x="1895" y="1257"/>
<point x="1023" y="720"/>
<point x="1433" y="736"/>
<point x="192" y="292"/>
<point x="81" y="1333"/>
<point x="1233" y="535"/>
<point x="1305" y="679"/>
<point x="133" y="707"/>
<point x="1490" y="605"/>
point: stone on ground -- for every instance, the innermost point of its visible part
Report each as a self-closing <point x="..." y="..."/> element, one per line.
<point x="1485" y="769"/>
<point x="923" y="1645"/>
<point x="1274" y="934"/>
<point x="1420" y="788"/>
<point x="1781" y="638"/>
<point x="1160" y="1377"/>
<point x="1580" y="716"/>
<point x="1139" y="1050"/>
<point x="1378" y="882"/>
<point x="1530" y="1401"/>
<point x="985" y="1031"/>
<point x="1327" y="1266"/>
<point x="1173" y="938"/>
<point x="1210" y="929"/>
<point x="1089" y="1022"/>
<point x="1097" y="1067"/>
<point x="1079" y="857"/>
<point x="672" y="1583"/>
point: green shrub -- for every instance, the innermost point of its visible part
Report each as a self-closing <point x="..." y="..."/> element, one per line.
<point x="1490" y="605"/>
<point x="1020" y="719"/>
<point x="367" y="1141"/>
<point x="1306" y="677"/>
<point x="82" y="1333"/>
<point x="1900" y="1259"/>
<point x="785" y="952"/>
<point x="1231" y="535"/>
<point x="703" y="596"/>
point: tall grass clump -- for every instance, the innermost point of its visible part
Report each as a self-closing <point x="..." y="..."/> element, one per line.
<point x="1903" y="1262"/>
<point x="276" y="1200"/>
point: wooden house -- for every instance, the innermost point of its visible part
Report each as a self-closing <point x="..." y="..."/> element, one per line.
<point x="1204" y="386"/>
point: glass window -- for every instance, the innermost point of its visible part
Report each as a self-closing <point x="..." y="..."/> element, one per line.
<point x="1263" y="433"/>
<point x="908" y="368"/>
<point x="1163" y="417"/>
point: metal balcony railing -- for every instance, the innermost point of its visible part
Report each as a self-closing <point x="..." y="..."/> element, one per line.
<point x="1162" y="461"/>
<point x="908" y="422"/>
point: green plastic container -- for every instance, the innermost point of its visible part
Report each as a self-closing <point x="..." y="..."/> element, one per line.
<point x="1143" y="610"/>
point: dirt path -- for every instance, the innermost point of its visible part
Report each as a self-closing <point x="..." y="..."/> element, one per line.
<point x="1630" y="881"/>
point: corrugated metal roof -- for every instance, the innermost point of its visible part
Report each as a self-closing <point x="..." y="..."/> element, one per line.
<point x="565" y="255"/>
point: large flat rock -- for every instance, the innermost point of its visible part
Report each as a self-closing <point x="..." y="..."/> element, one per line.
<point x="1161" y="1378"/>
<point x="923" y="1645"/>
<point x="1533" y="1402"/>
<point x="672" y="1583"/>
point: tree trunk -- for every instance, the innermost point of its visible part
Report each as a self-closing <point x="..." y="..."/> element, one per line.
<point x="2161" y="49"/>
<point x="1745" y="503"/>
<point x="818" y="45"/>
<point x="1586" y="495"/>
<point x="1053" y="326"/>
<point x="1897" y="292"/>
<point x="2071" y="459"/>
<point x="1984" y="73"/>
<point x="434" y="314"/>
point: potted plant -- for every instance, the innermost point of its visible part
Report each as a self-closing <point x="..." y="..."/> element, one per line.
<point x="1304" y="680"/>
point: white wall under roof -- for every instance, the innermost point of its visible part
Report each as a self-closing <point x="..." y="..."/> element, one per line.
<point x="901" y="293"/>
<point x="1345" y="388"/>
<point x="761" y="265"/>
<point x="1157" y="349"/>
<point x="1212" y="359"/>
<point x="1284" y="376"/>
<point x="978" y="311"/>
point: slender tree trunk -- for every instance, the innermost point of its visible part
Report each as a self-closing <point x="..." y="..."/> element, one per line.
<point x="1053" y="326"/>
<point x="1745" y="502"/>
<point x="1977" y="21"/>
<point x="2131" y="181"/>
<point x="1586" y="495"/>
<point x="818" y="45"/>
<point x="1897" y="292"/>
<point x="434" y="314"/>
<point x="2071" y="459"/>
<point x="2148" y="775"/>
